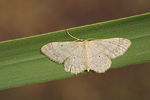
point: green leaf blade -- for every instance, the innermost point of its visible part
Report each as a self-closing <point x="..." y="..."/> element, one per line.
<point x="22" y="63"/>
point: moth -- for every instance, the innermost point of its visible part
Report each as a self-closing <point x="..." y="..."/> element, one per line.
<point x="82" y="55"/>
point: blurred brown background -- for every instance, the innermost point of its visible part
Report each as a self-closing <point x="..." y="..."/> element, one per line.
<point x="22" y="18"/>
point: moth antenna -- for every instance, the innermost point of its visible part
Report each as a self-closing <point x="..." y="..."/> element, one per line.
<point x="73" y="36"/>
